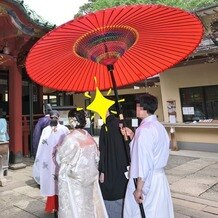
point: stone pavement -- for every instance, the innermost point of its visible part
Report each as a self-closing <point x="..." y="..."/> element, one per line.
<point x="193" y="178"/>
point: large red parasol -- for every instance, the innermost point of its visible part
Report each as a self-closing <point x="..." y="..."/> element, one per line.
<point x="118" y="46"/>
<point x="139" y="41"/>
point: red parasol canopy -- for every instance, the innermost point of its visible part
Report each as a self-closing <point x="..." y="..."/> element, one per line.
<point x="138" y="40"/>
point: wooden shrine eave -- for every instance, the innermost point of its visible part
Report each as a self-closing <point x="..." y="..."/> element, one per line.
<point x="18" y="32"/>
<point x="207" y="51"/>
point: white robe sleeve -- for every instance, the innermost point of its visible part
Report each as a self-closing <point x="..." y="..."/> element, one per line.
<point x="36" y="165"/>
<point x="142" y="157"/>
<point x="61" y="149"/>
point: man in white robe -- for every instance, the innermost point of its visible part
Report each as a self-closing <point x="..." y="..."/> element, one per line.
<point x="149" y="155"/>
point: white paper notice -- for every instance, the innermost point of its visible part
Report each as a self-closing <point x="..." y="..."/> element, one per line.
<point x="172" y="118"/>
<point x="188" y="111"/>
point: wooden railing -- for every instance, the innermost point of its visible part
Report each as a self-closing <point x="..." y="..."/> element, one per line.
<point x="26" y="130"/>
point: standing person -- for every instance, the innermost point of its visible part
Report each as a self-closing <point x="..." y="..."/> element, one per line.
<point x="79" y="191"/>
<point x="40" y="125"/>
<point x="149" y="150"/>
<point x="44" y="169"/>
<point x="112" y="166"/>
<point x="3" y="128"/>
<point x="88" y="124"/>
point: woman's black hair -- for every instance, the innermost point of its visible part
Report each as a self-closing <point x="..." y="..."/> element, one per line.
<point x="148" y="102"/>
<point x="80" y="115"/>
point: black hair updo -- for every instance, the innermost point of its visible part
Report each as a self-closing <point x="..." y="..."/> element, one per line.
<point x="80" y="116"/>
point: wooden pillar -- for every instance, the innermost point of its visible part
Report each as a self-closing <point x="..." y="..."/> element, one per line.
<point x="40" y="98"/>
<point x="15" y="114"/>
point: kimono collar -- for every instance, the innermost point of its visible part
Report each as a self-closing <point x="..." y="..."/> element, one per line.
<point x="150" y="118"/>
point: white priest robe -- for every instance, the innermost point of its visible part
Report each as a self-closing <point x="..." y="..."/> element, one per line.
<point x="149" y="155"/>
<point x="79" y="191"/>
<point x="44" y="169"/>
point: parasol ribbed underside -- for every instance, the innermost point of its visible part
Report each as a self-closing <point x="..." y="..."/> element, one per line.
<point x="165" y="37"/>
<point x="106" y="45"/>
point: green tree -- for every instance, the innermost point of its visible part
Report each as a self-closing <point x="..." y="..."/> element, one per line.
<point x="94" y="5"/>
<point x="85" y="9"/>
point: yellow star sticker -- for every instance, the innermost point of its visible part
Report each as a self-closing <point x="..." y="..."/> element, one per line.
<point x="100" y="105"/>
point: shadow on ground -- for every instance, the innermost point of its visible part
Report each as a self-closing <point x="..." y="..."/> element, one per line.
<point x="175" y="161"/>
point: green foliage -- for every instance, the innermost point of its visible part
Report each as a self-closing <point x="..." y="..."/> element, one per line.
<point x="86" y="8"/>
<point x="94" y="5"/>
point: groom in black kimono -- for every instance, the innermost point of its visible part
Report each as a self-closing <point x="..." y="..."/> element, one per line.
<point x="112" y="166"/>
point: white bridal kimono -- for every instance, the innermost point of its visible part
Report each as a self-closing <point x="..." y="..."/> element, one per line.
<point x="149" y="155"/>
<point x="79" y="191"/>
<point x="44" y="169"/>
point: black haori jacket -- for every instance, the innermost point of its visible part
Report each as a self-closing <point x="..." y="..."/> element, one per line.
<point x="113" y="160"/>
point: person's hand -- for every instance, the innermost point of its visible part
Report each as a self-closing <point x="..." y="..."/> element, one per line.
<point x="127" y="131"/>
<point x="138" y="196"/>
<point x="101" y="178"/>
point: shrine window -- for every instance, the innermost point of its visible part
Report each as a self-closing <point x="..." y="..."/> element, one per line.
<point x="199" y="103"/>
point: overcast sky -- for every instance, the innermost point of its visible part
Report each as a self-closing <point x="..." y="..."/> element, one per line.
<point x="55" y="11"/>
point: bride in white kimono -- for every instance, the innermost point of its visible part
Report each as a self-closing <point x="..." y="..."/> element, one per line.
<point x="149" y="150"/>
<point x="79" y="191"/>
